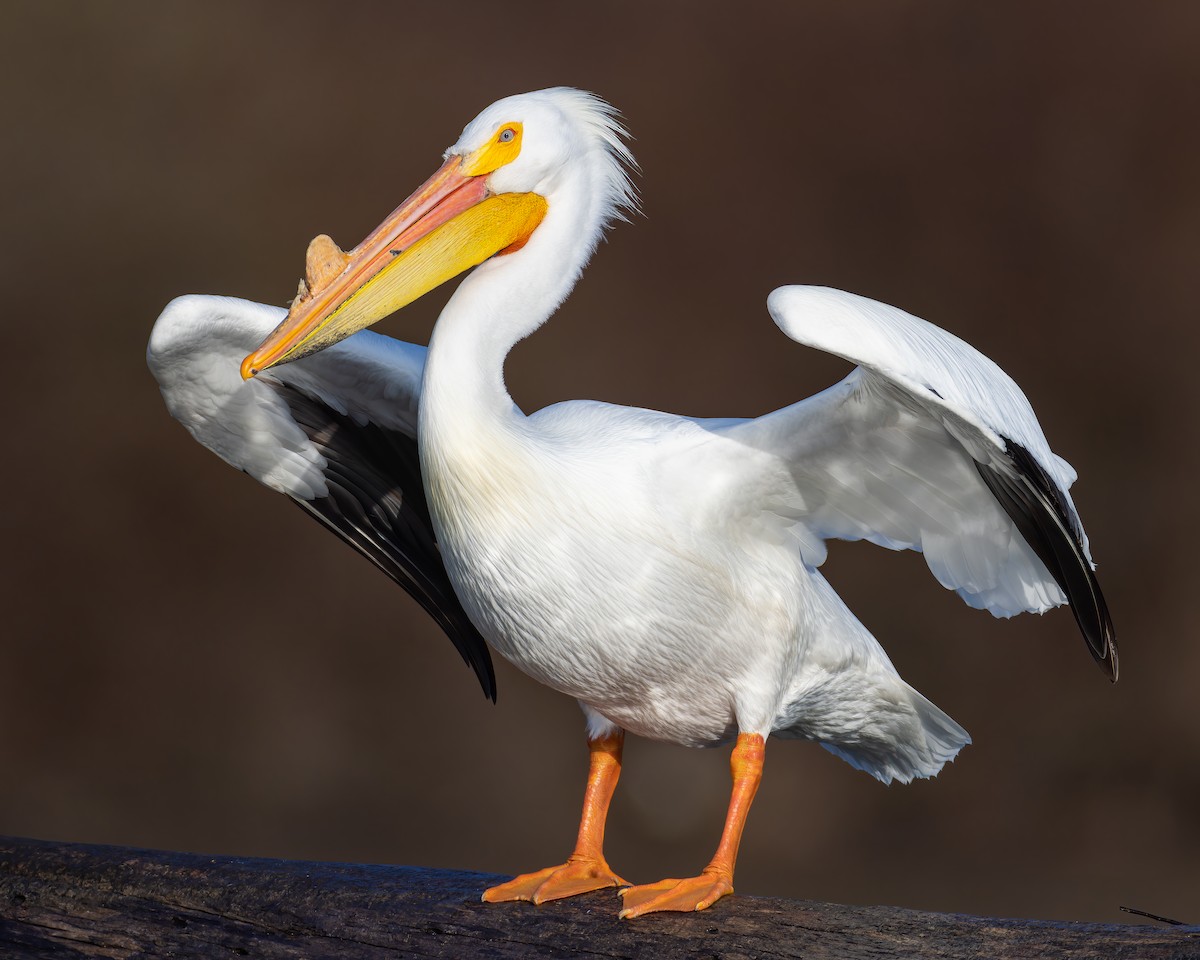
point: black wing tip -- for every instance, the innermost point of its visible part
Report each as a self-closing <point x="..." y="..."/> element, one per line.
<point x="1091" y="612"/>
<point x="486" y="675"/>
<point x="1092" y="616"/>
<point x="470" y="645"/>
<point x="1104" y="647"/>
<point x="376" y="505"/>
<point x="1112" y="664"/>
<point x="1106" y="656"/>
<point x="1039" y="510"/>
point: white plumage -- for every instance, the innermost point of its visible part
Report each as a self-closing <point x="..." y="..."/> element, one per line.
<point x="660" y="569"/>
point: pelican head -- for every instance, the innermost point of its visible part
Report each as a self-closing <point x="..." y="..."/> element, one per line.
<point x="491" y="194"/>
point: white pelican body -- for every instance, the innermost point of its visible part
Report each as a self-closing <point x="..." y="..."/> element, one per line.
<point x="661" y="570"/>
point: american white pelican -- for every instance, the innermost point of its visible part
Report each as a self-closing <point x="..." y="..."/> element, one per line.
<point x="662" y="570"/>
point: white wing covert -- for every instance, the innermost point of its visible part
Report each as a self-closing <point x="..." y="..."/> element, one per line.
<point x="928" y="445"/>
<point x="335" y="431"/>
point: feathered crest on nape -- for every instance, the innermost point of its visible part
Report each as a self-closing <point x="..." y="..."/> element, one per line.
<point x="603" y="121"/>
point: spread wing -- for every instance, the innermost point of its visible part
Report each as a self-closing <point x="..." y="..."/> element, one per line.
<point x="928" y="445"/>
<point x="335" y="431"/>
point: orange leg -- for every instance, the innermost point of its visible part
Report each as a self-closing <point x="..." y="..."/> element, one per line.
<point x="586" y="869"/>
<point x="697" y="893"/>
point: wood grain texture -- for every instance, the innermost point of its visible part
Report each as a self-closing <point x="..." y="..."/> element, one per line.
<point x="61" y="900"/>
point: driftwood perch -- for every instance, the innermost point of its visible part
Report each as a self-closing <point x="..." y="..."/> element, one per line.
<point x="61" y="900"/>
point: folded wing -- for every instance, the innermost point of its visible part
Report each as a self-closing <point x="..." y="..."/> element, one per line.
<point x="336" y="432"/>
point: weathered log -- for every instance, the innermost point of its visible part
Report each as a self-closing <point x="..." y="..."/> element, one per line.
<point x="62" y="900"/>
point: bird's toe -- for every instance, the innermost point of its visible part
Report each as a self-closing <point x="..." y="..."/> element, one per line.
<point x="578" y="875"/>
<point x="692" y="893"/>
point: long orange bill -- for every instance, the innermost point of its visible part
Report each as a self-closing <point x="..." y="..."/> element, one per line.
<point x="450" y="224"/>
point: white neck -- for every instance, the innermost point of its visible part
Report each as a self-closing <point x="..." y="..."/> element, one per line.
<point x="463" y="397"/>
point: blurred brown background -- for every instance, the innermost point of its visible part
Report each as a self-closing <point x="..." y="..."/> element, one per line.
<point x="1023" y="174"/>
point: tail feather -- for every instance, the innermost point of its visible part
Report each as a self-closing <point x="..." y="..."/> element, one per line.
<point x="916" y="742"/>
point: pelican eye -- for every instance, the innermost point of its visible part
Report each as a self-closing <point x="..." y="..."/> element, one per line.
<point x="503" y="148"/>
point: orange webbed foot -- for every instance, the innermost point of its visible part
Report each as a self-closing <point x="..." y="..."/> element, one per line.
<point x="578" y="875"/>
<point x="692" y="893"/>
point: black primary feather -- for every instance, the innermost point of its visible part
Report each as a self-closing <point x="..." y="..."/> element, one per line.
<point x="376" y="503"/>
<point x="1051" y="528"/>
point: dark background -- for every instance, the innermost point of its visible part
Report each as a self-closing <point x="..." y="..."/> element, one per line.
<point x="190" y="664"/>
